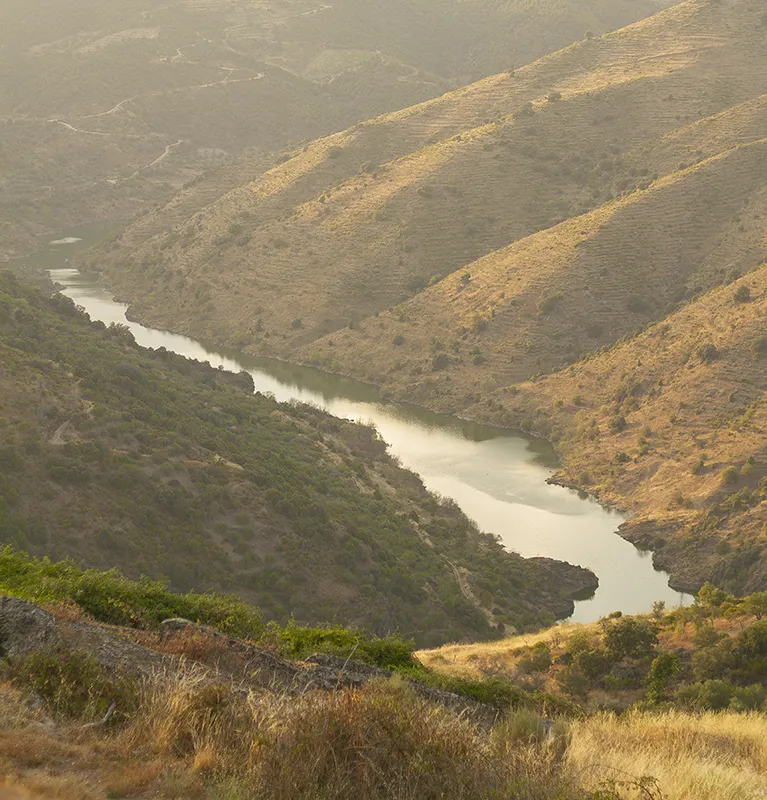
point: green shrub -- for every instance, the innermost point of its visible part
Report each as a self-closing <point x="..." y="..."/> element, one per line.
<point x="440" y="361"/>
<point x="713" y="662"/>
<point x="73" y="684"/>
<point x="630" y="637"/>
<point x="710" y="695"/>
<point x="617" y="423"/>
<point x="388" y="652"/>
<point x="707" y="352"/>
<point x="549" y="302"/>
<point x="742" y="294"/>
<point x="730" y="475"/>
<point x="593" y="664"/>
<point x="538" y="659"/>
<point x="662" y="669"/>
<point x="110" y="597"/>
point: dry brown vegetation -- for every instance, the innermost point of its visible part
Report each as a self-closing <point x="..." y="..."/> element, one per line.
<point x="211" y="716"/>
<point x="195" y="739"/>
<point x="530" y="225"/>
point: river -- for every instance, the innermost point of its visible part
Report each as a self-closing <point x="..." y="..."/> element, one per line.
<point x="496" y="476"/>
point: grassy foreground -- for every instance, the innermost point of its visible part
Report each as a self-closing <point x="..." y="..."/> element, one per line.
<point x="596" y="712"/>
<point x="188" y="737"/>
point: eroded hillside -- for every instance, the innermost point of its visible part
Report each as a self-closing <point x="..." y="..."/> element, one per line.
<point x="366" y="218"/>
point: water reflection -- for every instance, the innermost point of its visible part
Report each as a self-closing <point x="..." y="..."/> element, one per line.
<point x="497" y="477"/>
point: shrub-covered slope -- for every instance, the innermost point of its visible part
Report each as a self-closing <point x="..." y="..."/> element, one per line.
<point x="142" y="459"/>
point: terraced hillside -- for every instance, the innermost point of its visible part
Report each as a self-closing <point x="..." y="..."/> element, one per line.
<point x="119" y="456"/>
<point x="457" y="251"/>
<point x="107" y="108"/>
<point x="364" y="219"/>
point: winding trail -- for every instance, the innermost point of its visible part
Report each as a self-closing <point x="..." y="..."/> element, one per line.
<point x="168" y="149"/>
<point x="228" y="79"/>
<point x="58" y="435"/>
<point x="80" y="130"/>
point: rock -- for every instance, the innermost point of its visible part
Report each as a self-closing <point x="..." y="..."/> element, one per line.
<point x="24" y="627"/>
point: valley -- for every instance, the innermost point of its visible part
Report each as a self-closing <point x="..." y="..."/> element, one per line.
<point x="454" y="256"/>
<point x="496" y="477"/>
<point x="383" y="400"/>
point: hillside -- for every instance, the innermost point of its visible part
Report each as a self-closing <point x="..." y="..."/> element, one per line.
<point x="367" y="218"/>
<point x="107" y="109"/>
<point x="102" y="696"/>
<point x="140" y="459"/>
<point x="492" y="253"/>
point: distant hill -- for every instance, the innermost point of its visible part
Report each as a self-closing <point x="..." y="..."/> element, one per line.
<point x="528" y="225"/>
<point x="107" y="109"/>
<point x="120" y="456"/>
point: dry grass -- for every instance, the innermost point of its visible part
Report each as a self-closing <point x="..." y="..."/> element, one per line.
<point x="195" y="645"/>
<point x="376" y="742"/>
<point x="478" y="659"/>
<point x="192" y="738"/>
<point x="708" y="757"/>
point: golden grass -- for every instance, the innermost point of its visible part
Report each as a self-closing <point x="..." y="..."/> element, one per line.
<point x="476" y="659"/>
<point x="195" y="738"/>
<point x="707" y="757"/>
<point x="376" y="742"/>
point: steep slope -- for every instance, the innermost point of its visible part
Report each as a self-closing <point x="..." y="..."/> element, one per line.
<point x="141" y="459"/>
<point x="548" y="299"/>
<point x="673" y="425"/>
<point x="108" y="108"/>
<point x="364" y="219"/>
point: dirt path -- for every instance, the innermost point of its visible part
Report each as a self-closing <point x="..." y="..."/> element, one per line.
<point x="58" y="434"/>
<point x="465" y="587"/>
<point x="121" y="105"/>
<point x="168" y="149"/>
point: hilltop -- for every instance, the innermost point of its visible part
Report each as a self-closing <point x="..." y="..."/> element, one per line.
<point x="495" y="253"/>
<point x="140" y="459"/>
<point x="106" y="110"/>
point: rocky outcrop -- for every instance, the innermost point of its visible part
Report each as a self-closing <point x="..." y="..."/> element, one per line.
<point x="26" y="628"/>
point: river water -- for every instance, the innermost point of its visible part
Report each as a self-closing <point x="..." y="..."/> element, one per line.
<point x="496" y="476"/>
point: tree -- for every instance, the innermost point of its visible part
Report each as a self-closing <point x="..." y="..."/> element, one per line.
<point x="756" y="604"/>
<point x="630" y="638"/>
<point x="663" y="668"/>
<point x="710" y="596"/>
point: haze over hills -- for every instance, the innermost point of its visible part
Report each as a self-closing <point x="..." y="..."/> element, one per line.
<point x="575" y="248"/>
<point x="109" y="108"/>
<point x="454" y="251"/>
